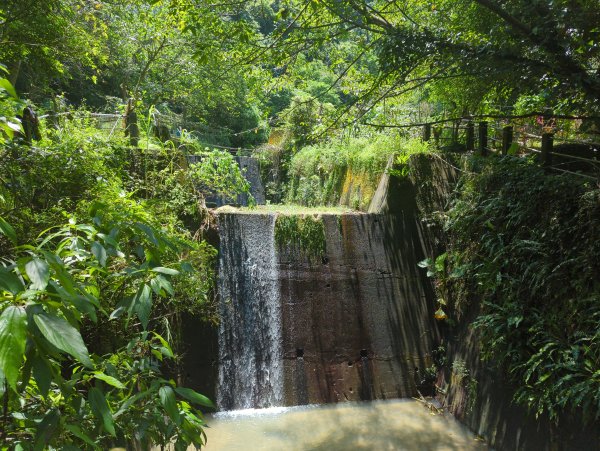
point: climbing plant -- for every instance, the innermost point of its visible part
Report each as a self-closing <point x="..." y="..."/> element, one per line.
<point x="526" y="243"/>
<point x="218" y="172"/>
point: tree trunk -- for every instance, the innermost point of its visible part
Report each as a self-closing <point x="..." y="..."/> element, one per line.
<point x="13" y="72"/>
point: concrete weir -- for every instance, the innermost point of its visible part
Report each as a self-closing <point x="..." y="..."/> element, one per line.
<point x="250" y="366"/>
<point x="355" y="325"/>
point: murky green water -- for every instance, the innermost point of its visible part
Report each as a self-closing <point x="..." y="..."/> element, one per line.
<point x="378" y="425"/>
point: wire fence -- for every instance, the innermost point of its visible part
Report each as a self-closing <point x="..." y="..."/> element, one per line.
<point x="560" y="142"/>
<point x="161" y="126"/>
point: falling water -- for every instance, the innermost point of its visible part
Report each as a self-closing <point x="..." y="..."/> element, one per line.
<point x="250" y="343"/>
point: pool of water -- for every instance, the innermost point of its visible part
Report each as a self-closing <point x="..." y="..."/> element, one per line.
<point x="377" y="425"/>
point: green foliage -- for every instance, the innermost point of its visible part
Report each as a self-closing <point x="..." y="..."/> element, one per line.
<point x="527" y="244"/>
<point x="9" y="101"/>
<point x="96" y="274"/>
<point x="301" y="233"/>
<point x="83" y="305"/>
<point x="218" y="172"/>
<point x="409" y="147"/>
<point x="303" y="117"/>
<point x="461" y="56"/>
<point x="347" y="171"/>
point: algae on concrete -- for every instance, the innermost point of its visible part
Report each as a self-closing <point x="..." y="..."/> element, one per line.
<point x="304" y="233"/>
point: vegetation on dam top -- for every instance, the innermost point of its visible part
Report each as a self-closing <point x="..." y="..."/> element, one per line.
<point x="287" y="209"/>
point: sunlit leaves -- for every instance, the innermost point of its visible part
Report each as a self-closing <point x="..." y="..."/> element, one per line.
<point x="142" y="304"/>
<point x="99" y="252"/>
<point x="194" y="397"/>
<point x="219" y="173"/>
<point x="109" y="380"/>
<point x="39" y="273"/>
<point x="13" y="331"/>
<point x="7" y="230"/>
<point x="64" y="336"/>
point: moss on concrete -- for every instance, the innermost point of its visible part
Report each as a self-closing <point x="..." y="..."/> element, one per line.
<point x="301" y="233"/>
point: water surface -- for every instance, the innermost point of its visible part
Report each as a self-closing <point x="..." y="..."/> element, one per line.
<point x="377" y="425"/>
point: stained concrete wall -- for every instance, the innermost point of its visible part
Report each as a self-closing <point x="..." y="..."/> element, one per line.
<point x="362" y="318"/>
<point x="358" y="325"/>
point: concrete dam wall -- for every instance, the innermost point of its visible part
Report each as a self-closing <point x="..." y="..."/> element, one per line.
<point x="356" y="324"/>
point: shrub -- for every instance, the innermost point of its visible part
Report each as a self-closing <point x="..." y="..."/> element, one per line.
<point x="527" y="244"/>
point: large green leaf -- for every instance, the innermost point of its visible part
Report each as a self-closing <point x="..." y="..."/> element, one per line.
<point x="42" y="375"/>
<point x="169" y="403"/>
<point x="13" y="337"/>
<point x="129" y="402"/>
<point x="38" y="272"/>
<point x="101" y="410"/>
<point x="99" y="252"/>
<point x="149" y="232"/>
<point x="77" y="432"/>
<point x="165" y="284"/>
<point x="8" y="87"/>
<point x="6" y="229"/>
<point x="163" y="270"/>
<point x="64" y="336"/>
<point x="194" y="397"/>
<point x="9" y="281"/>
<point x="143" y="304"/>
<point x="109" y="379"/>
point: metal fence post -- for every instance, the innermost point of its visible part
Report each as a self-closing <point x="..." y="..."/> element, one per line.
<point x="131" y="123"/>
<point x="470" y="144"/>
<point x="426" y="132"/>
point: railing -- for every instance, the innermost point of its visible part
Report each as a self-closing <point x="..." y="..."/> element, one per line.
<point x="164" y="127"/>
<point x="503" y="137"/>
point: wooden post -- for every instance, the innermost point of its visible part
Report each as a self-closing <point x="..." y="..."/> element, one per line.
<point x="483" y="138"/>
<point x="31" y="126"/>
<point x="131" y="124"/>
<point x="426" y="132"/>
<point x="455" y="127"/>
<point x="470" y="144"/>
<point x="507" y="139"/>
<point x="547" y="145"/>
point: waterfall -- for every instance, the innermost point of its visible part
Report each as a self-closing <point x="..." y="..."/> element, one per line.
<point x="250" y="333"/>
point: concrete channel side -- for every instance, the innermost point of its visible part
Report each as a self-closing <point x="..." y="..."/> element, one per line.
<point x="480" y="397"/>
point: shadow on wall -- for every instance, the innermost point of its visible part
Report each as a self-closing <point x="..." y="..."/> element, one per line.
<point x="482" y="399"/>
<point x="199" y="356"/>
<point x="362" y="317"/>
<point x="406" y="245"/>
<point x="475" y="392"/>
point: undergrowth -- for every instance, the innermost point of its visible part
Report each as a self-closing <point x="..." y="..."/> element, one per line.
<point x="346" y="172"/>
<point x="528" y="244"/>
